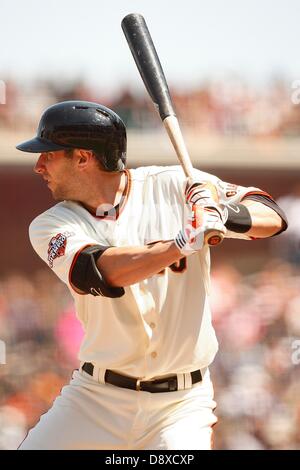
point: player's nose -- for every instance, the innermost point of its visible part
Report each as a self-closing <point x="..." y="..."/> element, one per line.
<point x="39" y="167"/>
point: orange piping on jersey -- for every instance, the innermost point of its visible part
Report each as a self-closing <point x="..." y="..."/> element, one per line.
<point x="127" y="191"/>
<point x="257" y="193"/>
<point x="72" y="266"/>
<point x="119" y="207"/>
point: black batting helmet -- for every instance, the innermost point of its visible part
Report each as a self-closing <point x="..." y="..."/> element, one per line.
<point x="84" y="125"/>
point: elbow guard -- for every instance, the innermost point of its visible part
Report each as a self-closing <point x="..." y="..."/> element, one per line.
<point x="86" y="276"/>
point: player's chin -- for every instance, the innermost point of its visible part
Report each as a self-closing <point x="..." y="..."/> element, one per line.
<point x="59" y="192"/>
<point x="58" y="198"/>
<point x="57" y="195"/>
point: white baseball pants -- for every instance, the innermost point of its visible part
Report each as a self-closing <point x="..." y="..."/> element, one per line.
<point x="92" y="415"/>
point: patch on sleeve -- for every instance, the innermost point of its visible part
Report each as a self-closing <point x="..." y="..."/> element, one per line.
<point x="57" y="246"/>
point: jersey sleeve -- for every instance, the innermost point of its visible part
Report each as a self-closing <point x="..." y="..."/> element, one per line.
<point x="230" y="194"/>
<point x="234" y="194"/>
<point x="58" y="241"/>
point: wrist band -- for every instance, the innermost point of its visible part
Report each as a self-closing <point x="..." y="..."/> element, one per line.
<point x="238" y="219"/>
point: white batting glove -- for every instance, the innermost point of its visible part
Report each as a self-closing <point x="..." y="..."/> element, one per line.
<point x="192" y="237"/>
<point x="204" y="194"/>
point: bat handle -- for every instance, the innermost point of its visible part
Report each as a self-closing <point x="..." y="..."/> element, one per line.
<point x="211" y="237"/>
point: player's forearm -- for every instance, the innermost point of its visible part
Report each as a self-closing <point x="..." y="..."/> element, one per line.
<point x="265" y="221"/>
<point x="128" y="265"/>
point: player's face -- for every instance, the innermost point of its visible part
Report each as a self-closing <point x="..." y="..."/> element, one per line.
<point x="57" y="170"/>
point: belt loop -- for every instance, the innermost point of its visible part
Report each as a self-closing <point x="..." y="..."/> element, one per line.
<point x="98" y="373"/>
<point x="95" y="373"/>
<point x="180" y="381"/>
<point x="101" y="375"/>
<point x="203" y="372"/>
<point x="188" y="381"/>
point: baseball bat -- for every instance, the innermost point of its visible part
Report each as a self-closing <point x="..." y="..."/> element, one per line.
<point x="149" y="66"/>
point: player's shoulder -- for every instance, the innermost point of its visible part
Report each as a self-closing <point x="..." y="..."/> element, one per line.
<point x="65" y="211"/>
<point x="143" y="172"/>
<point x="174" y="172"/>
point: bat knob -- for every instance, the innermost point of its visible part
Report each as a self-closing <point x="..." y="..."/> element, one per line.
<point x="213" y="237"/>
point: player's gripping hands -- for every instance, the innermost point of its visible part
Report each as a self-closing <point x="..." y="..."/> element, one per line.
<point x="201" y="220"/>
<point x="205" y="215"/>
<point x="203" y="194"/>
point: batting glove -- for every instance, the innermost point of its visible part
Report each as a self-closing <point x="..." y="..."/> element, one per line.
<point x="201" y="220"/>
<point x="204" y="194"/>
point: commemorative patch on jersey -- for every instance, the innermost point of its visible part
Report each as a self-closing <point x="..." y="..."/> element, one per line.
<point x="57" y="246"/>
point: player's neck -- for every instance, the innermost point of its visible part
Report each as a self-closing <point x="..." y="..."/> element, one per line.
<point x="106" y="189"/>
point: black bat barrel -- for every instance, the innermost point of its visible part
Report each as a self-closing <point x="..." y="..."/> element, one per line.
<point x="147" y="61"/>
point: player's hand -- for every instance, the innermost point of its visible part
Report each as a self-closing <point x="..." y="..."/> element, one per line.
<point x="200" y="221"/>
<point x="203" y="193"/>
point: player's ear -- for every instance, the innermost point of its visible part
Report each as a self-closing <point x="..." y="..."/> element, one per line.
<point x="83" y="158"/>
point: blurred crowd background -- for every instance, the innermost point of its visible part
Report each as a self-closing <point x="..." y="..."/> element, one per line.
<point x="225" y="107"/>
<point x="234" y="77"/>
<point x="255" y="296"/>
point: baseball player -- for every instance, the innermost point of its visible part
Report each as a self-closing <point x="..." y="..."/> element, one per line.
<point x="130" y="246"/>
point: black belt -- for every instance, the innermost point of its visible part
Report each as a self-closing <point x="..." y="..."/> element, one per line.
<point x="167" y="384"/>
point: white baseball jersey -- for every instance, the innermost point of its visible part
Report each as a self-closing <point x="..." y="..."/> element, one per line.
<point x="161" y="325"/>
